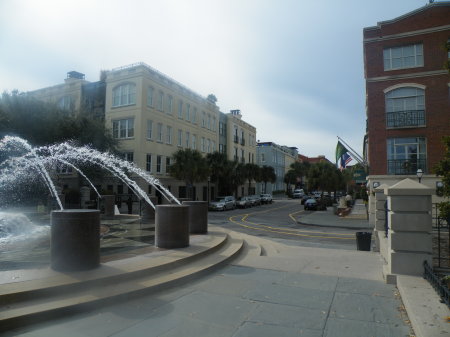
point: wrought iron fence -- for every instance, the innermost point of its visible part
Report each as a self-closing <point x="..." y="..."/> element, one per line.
<point x="441" y="241"/>
<point x="406" y="118"/>
<point x="436" y="281"/>
<point x="406" y="166"/>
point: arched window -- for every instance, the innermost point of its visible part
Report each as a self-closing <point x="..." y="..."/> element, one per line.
<point x="405" y="107"/>
<point x="124" y="94"/>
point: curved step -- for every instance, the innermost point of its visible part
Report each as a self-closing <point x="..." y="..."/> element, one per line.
<point x="131" y="278"/>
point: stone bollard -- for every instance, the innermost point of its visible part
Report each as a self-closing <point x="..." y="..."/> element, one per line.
<point x="198" y="216"/>
<point x="147" y="211"/>
<point x="109" y="203"/>
<point x="75" y="239"/>
<point x="172" y="226"/>
<point x="410" y="225"/>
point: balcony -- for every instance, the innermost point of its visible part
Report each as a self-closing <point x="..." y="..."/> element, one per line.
<point x="406" y="166"/>
<point x="408" y="118"/>
<point x="236" y="139"/>
<point x="242" y="141"/>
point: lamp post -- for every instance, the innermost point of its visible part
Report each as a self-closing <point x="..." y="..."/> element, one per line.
<point x="419" y="174"/>
<point x="207" y="192"/>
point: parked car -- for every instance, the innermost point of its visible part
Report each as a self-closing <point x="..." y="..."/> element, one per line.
<point x="311" y="204"/>
<point x="304" y="198"/>
<point x="223" y="203"/>
<point x="244" y="202"/>
<point x="298" y="193"/>
<point x="266" y="198"/>
<point x="256" y="200"/>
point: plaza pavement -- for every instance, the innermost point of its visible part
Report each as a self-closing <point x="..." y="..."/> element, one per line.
<point x="289" y="291"/>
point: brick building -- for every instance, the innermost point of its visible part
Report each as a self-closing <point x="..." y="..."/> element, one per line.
<point x="407" y="91"/>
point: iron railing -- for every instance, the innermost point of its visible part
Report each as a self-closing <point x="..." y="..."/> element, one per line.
<point x="406" y="166"/>
<point x="436" y="281"/>
<point x="406" y="118"/>
<point x="441" y="241"/>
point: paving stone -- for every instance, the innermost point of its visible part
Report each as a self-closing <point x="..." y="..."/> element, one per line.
<point x="367" y="287"/>
<point x="221" y="310"/>
<point x="366" y="308"/>
<point x="289" y="316"/>
<point x="310" y="281"/>
<point x="295" y="296"/>
<point x="254" y="274"/>
<point x="350" y="328"/>
<point x="266" y="330"/>
<point x="224" y="285"/>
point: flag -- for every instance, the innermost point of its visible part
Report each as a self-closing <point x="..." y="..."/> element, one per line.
<point x="340" y="150"/>
<point x="345" y="159"/>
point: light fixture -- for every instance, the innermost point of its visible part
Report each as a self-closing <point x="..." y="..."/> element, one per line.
<point x="419" y="174"/>
<point x="375" y="184"/>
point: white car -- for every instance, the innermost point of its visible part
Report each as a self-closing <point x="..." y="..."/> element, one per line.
<point x="223" y="203"/>
<point x="298" y="193"/>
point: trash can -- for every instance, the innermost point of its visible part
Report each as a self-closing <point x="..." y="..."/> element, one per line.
<point x="363" y="240"/>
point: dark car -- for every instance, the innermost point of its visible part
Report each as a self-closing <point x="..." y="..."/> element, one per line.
<point x="244" y="202"/>
<point x="256" y="200"/>
<point x="304" y="198"/>
<point x="311" y="204"/>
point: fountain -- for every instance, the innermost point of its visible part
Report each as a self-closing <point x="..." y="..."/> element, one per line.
<point x="74" y="232"/>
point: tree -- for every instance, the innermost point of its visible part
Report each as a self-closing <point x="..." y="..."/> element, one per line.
<point x="267" y="175"/>
<point x="189" y="166"/>
<point x="300" y="170"/>
<point x="251" y="172"/>
<point x="290" y="178"/>
<point x="42" y="123"/>
<point x="219" y="168"/>
<point x="443" y="169"/>
<point x="237" y="176"/>
<point x="323" y="176"/>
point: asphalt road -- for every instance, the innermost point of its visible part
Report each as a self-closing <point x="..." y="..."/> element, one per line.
<point x="281" y="221"/>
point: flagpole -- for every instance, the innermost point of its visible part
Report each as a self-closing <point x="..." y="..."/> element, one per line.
<point x="358" y="158"/>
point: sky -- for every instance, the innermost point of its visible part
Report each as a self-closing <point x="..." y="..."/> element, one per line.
<point x="294" y="68"/>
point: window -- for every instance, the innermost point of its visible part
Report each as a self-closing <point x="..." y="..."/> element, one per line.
<point x="194" y="142"/>
<point x="222" y="148"/>
<point x="148" y="163"/>
<point x="158" y="164"/>
<point x="214" y="124"/>
<point x="128" y="156"/>
<point x="202" y="144"/>
<point x="167" y="164"/>
<point x="150" y="96"/>
<point x="63" y="169"/>
<point x="242" y="155"/>
<point x="123" y="128"/>
<point x="149" y="129"/>
<point x="180" y="137"/>
<point x="203" y="119"/>
<point x="124" y="94"/>
<point x="188" y="138"/>
<point x="169" y="135"/>
<point x="222" y="128"/>
<point x="263" y="159"/>
<point x="209" y="122"/>
<point x="169" y="104"/>
<point x="235" y="153"/>
<point x="208" y="145"/>
<point x="405" y="107"/>
<point x="66" y="103"/>
<point x="213" y="146"/>
<point x="188" y="112"/>
<point x="448" y="48"/>
<point x="160" y="101"/>
<point x="160" y="132"/>
<point x="180" y="109"/>
<point x="406" y="155"/>
<point x="194" y="115"/>
<point x="403" y="57"/>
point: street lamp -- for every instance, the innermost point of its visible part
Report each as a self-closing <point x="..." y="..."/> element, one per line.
<point x="419" y="174"/>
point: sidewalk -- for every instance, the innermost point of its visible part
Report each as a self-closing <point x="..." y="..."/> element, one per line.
<point x="295" y="291"/>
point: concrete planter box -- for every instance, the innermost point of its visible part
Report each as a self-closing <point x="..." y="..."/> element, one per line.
<point x="172" y="226"/>
<point x="75" y="239"/>
<point x="198" y="216"/>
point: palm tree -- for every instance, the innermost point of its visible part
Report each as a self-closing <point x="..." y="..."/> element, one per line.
<point x="300" y="170"/>
<point x="218" y="165"/>
<point x="237" y="176"/>
<point x="267" y="175"/>
<point x="289" y="178"/>
<point x="190" y="166"/>
<point x="251" y="172"/>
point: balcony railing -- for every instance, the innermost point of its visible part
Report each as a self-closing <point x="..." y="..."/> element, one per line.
<point x="236" y="139"/>
<point x="408" y="118"/>
<point x="242" y="141"/>
<point x="406" y="166"/>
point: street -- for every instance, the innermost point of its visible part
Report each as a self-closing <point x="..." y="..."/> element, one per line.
<point x="286" y="221"/>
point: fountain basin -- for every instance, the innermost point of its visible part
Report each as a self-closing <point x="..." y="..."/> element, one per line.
<point x="75" y="239"/>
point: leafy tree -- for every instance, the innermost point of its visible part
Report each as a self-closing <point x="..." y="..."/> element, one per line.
<point x="189" y="166"/>
<point x="267" y="175"/>
<point x="300" y="170"/>
<point x="323" y="176"/>
<point x="251" y="172"/>
<point x="43" y="123"/>
<point x="290" y="178"/>
<point x="443" y="169"/>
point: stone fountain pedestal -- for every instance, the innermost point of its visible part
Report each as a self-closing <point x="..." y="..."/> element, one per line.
<point x="172" y="226"/>
<point x="75" y="239"/>
<point x="198" y="216"/>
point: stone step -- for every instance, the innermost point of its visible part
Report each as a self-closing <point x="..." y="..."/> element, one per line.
<point x="137" y="276"/>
